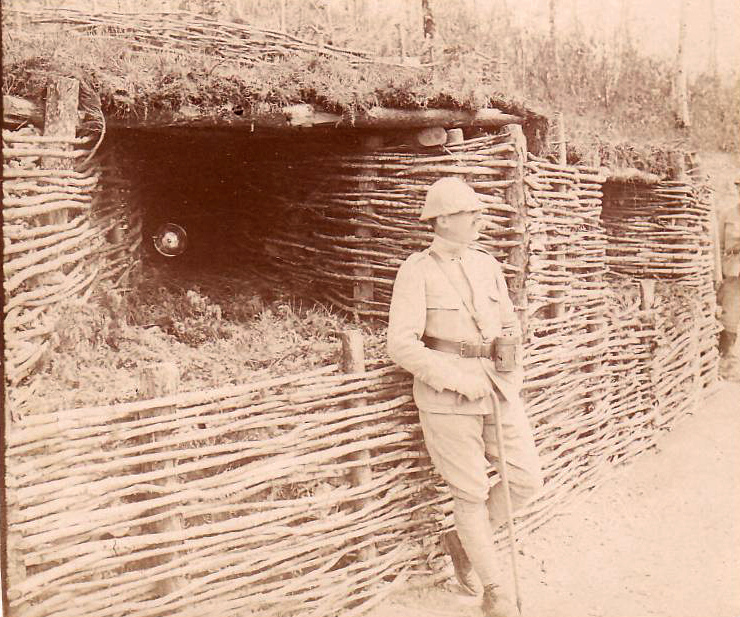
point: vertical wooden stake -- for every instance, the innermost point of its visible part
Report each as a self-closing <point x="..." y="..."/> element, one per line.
<point x="154" y="381"/>
<point x="353" y="361"/>
<point x="558" y="307"/>
<point x="15" y="568"/>
<point x="562" y="146"/>
<point x="678" y="166"/>
<point x="647" y="294"/>
<point x="60" y="120"/>
<point x="516" y="199"/>
<point x="364" y="291"/>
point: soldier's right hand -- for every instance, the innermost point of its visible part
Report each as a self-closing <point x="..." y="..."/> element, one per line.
<point x="473" y="389"/>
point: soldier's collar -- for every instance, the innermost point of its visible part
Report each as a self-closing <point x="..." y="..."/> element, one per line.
<point x="447" y="248"/>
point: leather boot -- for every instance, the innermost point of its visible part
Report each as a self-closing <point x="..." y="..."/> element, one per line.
<point x="460" y="562"/>
<point x="494" y="605"/>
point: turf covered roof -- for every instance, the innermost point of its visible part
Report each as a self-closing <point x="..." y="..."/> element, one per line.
<point x="154" y="65"/>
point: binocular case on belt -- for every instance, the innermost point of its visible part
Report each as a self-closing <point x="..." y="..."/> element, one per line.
<point x="506" y="353"/>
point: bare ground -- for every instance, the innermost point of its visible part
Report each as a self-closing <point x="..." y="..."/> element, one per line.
<point x="661" y="537"/>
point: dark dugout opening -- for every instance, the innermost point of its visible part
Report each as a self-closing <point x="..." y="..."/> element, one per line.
<point x="288" y="209"/>
<point x="229" y="189"/>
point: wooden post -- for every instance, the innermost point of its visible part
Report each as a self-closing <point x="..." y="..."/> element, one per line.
<point x="519" y="255"/>
<point x="155" y="381"/>
<point x="364" y="291"/>
<point x="60" y="120"/>
<point x="647" y="294"/>
<point x="353" y="361"/>
<point x="15" y="567"/>
<point x="558" y="307"/>
<point x="678" y="166"/>
<point x="562" y="149"/>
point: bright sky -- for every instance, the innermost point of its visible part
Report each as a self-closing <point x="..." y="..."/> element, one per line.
<point x="654" y="25"/>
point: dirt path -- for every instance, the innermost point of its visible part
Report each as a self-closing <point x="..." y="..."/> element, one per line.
<point x="661" y="537"/>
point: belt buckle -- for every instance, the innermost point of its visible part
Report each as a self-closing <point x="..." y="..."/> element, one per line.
<point x="463" y="347"/>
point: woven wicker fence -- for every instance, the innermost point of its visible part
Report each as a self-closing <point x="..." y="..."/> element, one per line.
<point x="312" y="493"/>
<point x="180" y="32"/>
<point x="246" y="499"/>
<point x="64" y="231"/>
<point x="360" y="224"/>
<point x="662" y="232"/>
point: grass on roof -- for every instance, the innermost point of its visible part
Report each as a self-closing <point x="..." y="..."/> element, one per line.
<point x="135" y="82"/>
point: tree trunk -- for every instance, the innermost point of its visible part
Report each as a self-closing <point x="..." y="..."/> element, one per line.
<point x="713" y="59"/>
<point x="553" y="12"/>
<point x="429" y="30"/>
<point x="553" y="37"/>
<point x="283" y="16"/>
<point x="626" y="28"/>
<point x="683" y="119"/>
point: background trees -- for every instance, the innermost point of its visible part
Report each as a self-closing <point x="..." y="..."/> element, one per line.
<point x="653" y="69"/>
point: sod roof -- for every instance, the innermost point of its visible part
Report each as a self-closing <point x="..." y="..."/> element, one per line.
<point x="149" y="65"/>
<point x="167" y="68"/>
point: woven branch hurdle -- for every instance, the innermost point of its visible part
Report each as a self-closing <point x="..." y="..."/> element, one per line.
<point x="662" y="231"/>
<point x="262" y="475"/>
<point x="179" y="32"/>
<point x="325" y="229"/>
<point x="65" y="231"/>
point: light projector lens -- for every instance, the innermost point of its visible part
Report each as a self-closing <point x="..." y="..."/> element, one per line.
<point x="170" y="240"/>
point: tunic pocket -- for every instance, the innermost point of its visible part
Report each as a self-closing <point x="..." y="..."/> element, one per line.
<point x="441" y="302"/>
<point x="491" y="314"/>
<point x="443" y="314"/>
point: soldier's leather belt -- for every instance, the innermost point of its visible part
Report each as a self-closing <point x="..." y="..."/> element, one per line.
<point x="463" y="349"/>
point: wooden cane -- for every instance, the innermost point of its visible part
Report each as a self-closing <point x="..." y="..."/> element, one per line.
<point x="507" y="495"/>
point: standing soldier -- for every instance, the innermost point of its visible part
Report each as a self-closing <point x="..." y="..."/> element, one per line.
<point x="729" y="292"/>
<point x="450" y="304"/>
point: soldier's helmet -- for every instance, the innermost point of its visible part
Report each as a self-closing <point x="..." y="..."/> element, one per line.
<point x="449" y="196"/>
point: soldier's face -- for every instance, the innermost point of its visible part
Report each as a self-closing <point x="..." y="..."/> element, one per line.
<point x="463" y="227"/>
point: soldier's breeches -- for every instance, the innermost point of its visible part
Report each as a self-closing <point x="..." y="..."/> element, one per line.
<point x="461" y="447"/>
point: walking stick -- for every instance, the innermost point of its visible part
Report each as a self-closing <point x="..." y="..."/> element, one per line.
<point x="507" y="495"/>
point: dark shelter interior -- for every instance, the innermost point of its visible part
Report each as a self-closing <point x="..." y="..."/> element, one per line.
<point x="228" y="189"/>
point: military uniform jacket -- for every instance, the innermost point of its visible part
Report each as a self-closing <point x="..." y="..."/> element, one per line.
<point x="427" y="301"/>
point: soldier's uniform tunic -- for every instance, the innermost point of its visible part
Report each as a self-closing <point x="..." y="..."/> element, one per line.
<point x="729" y="292"/>
<point x="459" y="433"/>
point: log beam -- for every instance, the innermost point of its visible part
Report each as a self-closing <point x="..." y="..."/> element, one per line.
<point x="306" y="116"/>
<point x="16" y="109"/>
<point x="60" y="120"/>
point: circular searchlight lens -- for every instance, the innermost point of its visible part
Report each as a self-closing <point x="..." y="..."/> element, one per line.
<point x="170" y="240"/>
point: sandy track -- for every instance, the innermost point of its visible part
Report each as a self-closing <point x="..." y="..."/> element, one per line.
<point x="661" y="537"/>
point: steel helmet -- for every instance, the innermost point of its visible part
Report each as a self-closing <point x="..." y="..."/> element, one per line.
<point x="448" y="196"/>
